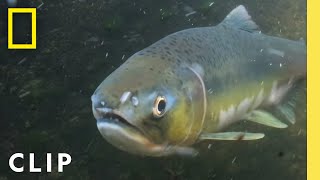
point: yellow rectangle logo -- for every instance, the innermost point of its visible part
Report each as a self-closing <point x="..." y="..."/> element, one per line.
<point x="33" y="12"/>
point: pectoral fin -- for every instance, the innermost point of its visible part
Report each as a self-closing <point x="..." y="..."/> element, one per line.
<point x="288" y="112"/>
<point x="231" y="136"/>
<point x="265" y="118"/>
<point x="286" y="109"/>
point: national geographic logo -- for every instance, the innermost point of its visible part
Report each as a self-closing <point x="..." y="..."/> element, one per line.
<point x="18" y="32"/>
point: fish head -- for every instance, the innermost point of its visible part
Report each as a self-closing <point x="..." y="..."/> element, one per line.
<point x="149" y="108"/>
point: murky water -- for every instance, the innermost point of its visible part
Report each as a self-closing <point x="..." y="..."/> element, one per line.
<point x="45" y="93"/>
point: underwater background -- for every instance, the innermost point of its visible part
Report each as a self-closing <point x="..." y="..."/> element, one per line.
<point x="45" y="93"/>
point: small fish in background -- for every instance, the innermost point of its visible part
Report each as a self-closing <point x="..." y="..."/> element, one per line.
<point x="191" y="85"/>
<point x="12" y="3"/>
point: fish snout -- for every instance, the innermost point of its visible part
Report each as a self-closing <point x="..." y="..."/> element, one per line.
<point x="99" y="107"/>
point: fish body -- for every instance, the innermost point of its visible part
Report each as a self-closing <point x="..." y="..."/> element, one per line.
<point x="192" y="84"/>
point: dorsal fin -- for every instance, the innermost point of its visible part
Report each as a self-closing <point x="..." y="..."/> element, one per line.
<point x="239" y="18"/>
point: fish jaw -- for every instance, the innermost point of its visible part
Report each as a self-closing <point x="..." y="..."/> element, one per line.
<point x="127" y="138"/>
<point x="117" y="130"/>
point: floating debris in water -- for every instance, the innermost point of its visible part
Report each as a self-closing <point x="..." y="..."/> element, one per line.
<point x="89" y="145"/>
<point x="74" y="119"/>
<point x="27" y="124"/>
<point x="133" y="37"/>
<point x="93" y="39"/>
<point x="24" y="94"/>
<point x="42" y="3"/>
<point x="190" y="13"/>
<point x="212" y="174"/>
<point x="22" y="61"/>
<point x="234" y="159"/>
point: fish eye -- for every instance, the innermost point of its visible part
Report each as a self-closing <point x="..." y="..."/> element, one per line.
<point x="159" y="107"/>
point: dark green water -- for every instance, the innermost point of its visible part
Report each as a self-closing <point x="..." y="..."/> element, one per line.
<point x="45" y="93"/>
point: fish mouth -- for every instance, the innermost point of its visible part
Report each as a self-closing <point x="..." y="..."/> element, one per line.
<point x="118" y="131"/>
<point x="113" y="117"/>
